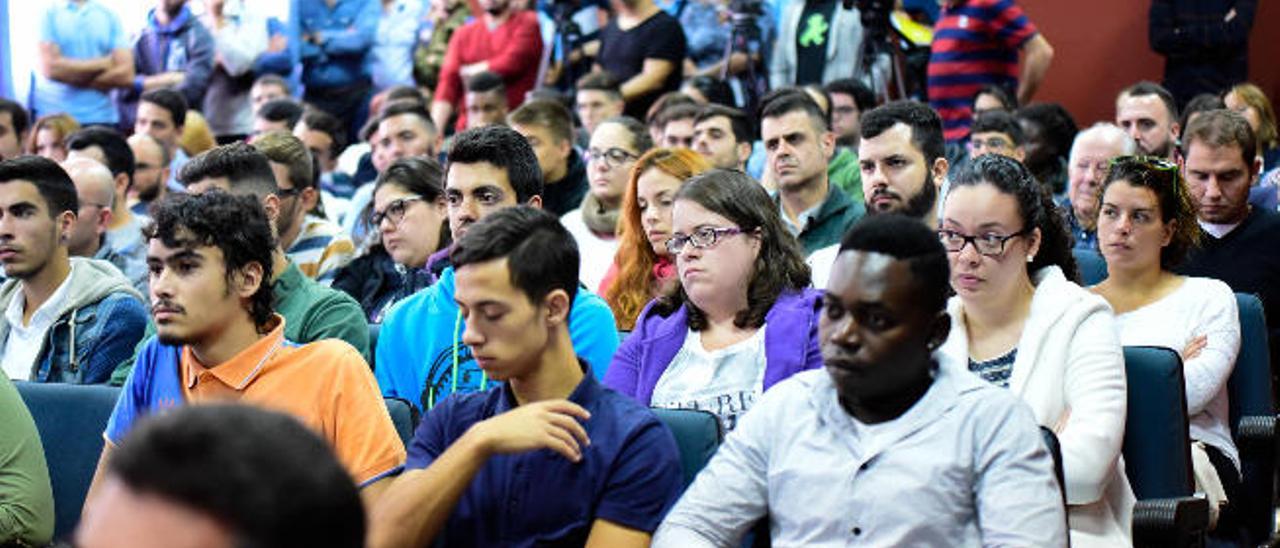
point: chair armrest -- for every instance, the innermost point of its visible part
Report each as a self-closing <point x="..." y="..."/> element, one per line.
<point x="1258" y="441"/>
<point x="1170" y="522"/>
<point x="1259" y="430"/>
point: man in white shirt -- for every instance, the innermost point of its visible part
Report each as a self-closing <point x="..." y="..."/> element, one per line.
<point x="891" y="445"/>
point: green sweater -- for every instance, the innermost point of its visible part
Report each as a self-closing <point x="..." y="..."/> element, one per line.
<point x="26" y="498"/>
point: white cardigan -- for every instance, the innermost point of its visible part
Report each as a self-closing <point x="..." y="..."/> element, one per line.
<point x="1069" y="358"/>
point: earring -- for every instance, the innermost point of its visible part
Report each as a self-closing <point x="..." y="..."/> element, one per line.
<point x="1031" y="258"/>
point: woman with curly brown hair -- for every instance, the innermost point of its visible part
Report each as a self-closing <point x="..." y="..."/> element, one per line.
<point x="642" y="264"/>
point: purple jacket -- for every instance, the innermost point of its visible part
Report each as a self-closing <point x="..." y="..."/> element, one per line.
<point x="649" y="349"/>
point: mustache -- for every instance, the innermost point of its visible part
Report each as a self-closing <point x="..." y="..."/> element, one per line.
<point x="167" y="305"/>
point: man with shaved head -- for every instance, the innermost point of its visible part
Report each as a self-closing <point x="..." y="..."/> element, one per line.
<point x="150" y="172"/>
<point x="95" y="190"/>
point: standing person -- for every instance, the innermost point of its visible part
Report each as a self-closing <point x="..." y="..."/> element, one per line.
<point x="336" y="38"/>
<point x="1146" y="225"/>
<point x="391" y="59"/>
<point x="644" y="48"/>
<point x="84" y="54"/>
<point x="506" y="41"/>
<point x="819" y="41"/>
<point x="615" y="147"/>
<point x="239" y="36"/>
<point x="643" y="268"/>
<point x="1205" y="44"/>
<point x="740" y="318"/>
<point x="173" y="51"/>
<point x="1020" y="321"/>
<point x="976" y="43"/>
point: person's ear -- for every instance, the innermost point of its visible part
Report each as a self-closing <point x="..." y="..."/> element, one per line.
<point x="310" y="197"/>
<point x="939" y="169"/>
<point x="1033" y="243"/>
<point x="65" y="221"/>
<point x="1176" y="130"/>
<point x="122" y="184"/>
<point x="248" y="279"/>
<point x="557" y="305"/>
<point x="1019" y="153"/>
<point x="104" y="218"/>
<point x="828" y="142"/>
<point x="565" y="149"/>
<point x="1169" y="228"/>
<point x="534" y="201"/>
<point x="744" y="152"/>
<point x="271" y="203"/>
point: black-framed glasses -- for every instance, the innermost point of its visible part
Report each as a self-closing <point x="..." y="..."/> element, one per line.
<point x="612" y="157"/>
<point x="701" y="238"/>
<point x="989" y="245"/>
<point x="288" y="192"/>
<point x="394" y="211"/>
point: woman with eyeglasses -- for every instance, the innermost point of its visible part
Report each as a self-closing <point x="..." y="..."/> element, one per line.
<point x="616" y="144"/>
<point x="1020" y="321"/>
<point x="741" y="316"/>
<point x="642" y="265"/>
<point x="1146" y="225"/>
<point x="409" y="215"/>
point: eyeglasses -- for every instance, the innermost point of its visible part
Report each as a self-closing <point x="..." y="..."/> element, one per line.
<point x="288" y="192"/>
<point x="701" y="238"/>
<point x="612" y="157"/>
<point x="988" y="245"/>
<point x="992" y="143"/>
<point x="394" y="211"/>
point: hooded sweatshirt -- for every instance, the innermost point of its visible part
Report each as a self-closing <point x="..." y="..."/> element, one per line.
<point x="97" y="326"/>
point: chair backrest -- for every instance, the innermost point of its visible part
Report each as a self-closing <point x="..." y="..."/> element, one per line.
<point x="1093" y="268"/>
<point x="1157" y="445"/>
<point x="404" y="416"/>
<point x="697" y="435"/>
<point x="71" y="419"/>
<point x="1249" y="392"/>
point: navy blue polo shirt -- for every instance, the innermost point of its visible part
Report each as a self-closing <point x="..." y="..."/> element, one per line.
<point x="629" y="475"/>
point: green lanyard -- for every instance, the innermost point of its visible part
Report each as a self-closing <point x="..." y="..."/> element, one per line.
<point x="453" y="383"/>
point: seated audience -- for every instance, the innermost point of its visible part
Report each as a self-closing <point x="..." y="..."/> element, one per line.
<point x="422" y="356"/>
<point x="849" y="99"/>
<point x="732" y="325"/>
<point x="604" y="481"/>
<point x="326" y="139"/>
<point x="1249" y="101"/>
<point x="315" y="244"/>
<point x="267" y="88"/>
<point x="1020" y="321"/>
<point x="1146" y="225"/>
<point x="403" y="129"/>
<point x="219" y="339"/>
<point x="993" y="97"/>
<point x="1149" y="114"/>
<point x="485" y="100"/>
<point x="643" y="268"/>
<point x="894" y="444"/>
<point x="223" y="475"/>
<point x="150" y="174"/>
<point x="723" y="136"/>
<point x="1239" y="244"/>
<point x="597" y="99"/>
<point x="677" y="126"/>
<point x="615" y="147"/>
<point x="109" y="148"/>
<point x="162" y="113"/>
<point x="49" y="136"/>
<point x="655" y="119"/>
<point x="707" y="88"/>
<point x="1091" y="155"/>
<point x="1197" y="105"/>
<point x="1048" y="131"/>
<point x="409" y="213"/>
<point x="996" y="132"/>
<point x="65" y="319"/>
<point x="277" y="115"/>
<point x="799" y="145"/>
<point x="13" y="128"/>
<point x="95" y="192"/>
<point x="548" y="126"/>
<point x="26" y="502"/>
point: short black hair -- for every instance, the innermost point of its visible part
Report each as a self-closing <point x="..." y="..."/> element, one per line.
<point x="504" y="148"/>
<point x="397" y="93"/>
<point x="925" y="124"/>
<point x="281" y="110"/>
<point x="676" y="113"/>
<point x="862" y="95"/>
<point x="319" y="120"/>
<point x="17" y="114"/>
<point x="906" y="239"/>
<point x="742" y="131"/>
<point x="783" y="101"/>
<point x="1058" y="126"/>
<point x="1147" y="87"/>
<point x="263" y="474"/>
<point x="485" y="82"/>
<point x="50" y="180"/>
<point x="113" y="145"/>
<point x="601" y="81"/>
<point x="407" y="106"/>
<point x="1201" y="103"/>
<point x="1001" y="94"/>
<point x="541" y="254"/>
<point x="999" y="121"/>
<point x="236" y="225"/>
<point x="548" y="114"/>
<point x="246" y="169"/>
<point x="169" y="100"/>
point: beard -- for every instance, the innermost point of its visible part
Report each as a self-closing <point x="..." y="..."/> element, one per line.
<point x="919" y="204"/>
<point x="149" y="194"/>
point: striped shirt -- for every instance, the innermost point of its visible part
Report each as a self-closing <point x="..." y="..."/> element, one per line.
<point x="321" y="249"/>
<point x="975" y="43"/>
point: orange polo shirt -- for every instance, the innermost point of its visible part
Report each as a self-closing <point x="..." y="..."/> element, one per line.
<point x="325" y="384"/>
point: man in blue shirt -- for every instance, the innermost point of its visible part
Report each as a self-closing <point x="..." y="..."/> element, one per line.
<point x="336" y="35"/>
<point x="173" y="51"/>
<point x="421" y="355"/>
<point x="83" y="55"/>
<point x="550" y="456"/>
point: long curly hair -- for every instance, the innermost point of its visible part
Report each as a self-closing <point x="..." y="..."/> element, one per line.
<point x="634" y="286"/>
<point x="1172" y="196"/>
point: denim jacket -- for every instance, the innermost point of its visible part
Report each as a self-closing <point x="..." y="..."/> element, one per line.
<point x="96" y="330"/>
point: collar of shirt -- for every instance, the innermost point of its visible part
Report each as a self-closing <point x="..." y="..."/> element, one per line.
<point x="1218" y="230"/>
<point x="43" y="316"/>
<point x="585" y="394"/>
<point x="803" y="219"/>
<point x="243" y="368"/>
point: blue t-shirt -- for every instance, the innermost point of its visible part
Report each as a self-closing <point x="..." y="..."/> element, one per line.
<point x="421" y="357"/>
<point x="629" y="475"/>
<point x="154" y="385"/>
<point x="81" y="31"/>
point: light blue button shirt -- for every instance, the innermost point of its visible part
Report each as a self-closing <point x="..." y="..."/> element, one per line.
<point x="965" y="466"/>
<point x="391" y="61"/>
<point x="81" y="31"/>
